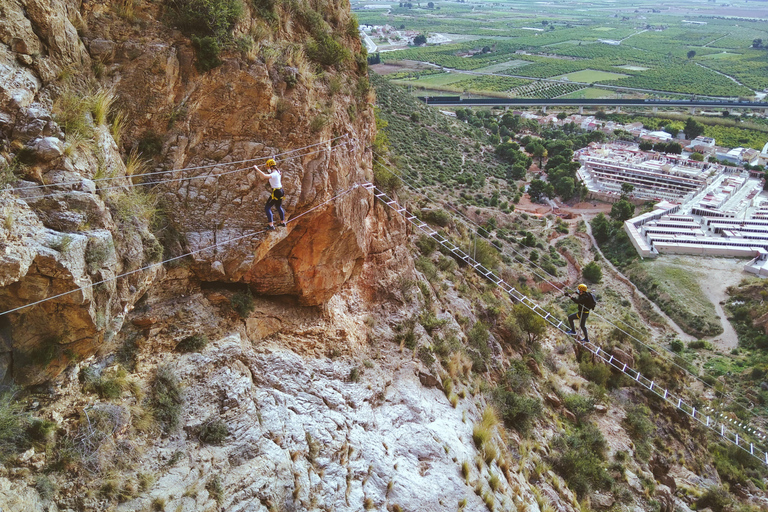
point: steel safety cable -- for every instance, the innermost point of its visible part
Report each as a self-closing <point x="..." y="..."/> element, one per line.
<point x="206" y="166"/>
<point x="170" y="180"/>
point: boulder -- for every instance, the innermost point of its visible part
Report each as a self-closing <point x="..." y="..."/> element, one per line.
<point x="47" y="148"/>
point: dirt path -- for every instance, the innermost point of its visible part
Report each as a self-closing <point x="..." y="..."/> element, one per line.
<point x="715" y="275"/>
<point x="635" y="295"/>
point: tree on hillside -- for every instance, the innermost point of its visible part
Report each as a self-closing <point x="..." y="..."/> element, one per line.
<point x="420" y="40"/>
<point x="565" y="188"/>
<point x="627" y="188"/>
<point x="622" y="210"/>
<point x="592" y="272"/>
<point x="538" y="189"/>
<point x="601" y="228"/>
<point x="691" y="54"/>
<point x="757" y="43"/>
<point x="692" y="128"/>
<point x="697" y="157"/>
<point x="430" y="5"/>
<point x="646" y="145"/>
<point x="562" y="115"/>
<point x="529" y="322"/>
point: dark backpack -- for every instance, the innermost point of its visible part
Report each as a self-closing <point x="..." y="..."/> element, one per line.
<point x="590" y="302"/>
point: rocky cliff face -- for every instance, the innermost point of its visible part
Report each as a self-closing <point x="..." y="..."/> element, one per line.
<point x="60" y="237"/>
<point x="81" y="83"/>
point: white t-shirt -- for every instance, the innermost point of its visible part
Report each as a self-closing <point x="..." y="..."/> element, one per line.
<point x="274" y="179"/>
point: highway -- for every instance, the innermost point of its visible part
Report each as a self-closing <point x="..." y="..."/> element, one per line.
<point x="457" y="101"/>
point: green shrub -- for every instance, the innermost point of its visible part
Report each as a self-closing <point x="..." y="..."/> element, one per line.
<point x="41" y="430"/>
<point x="592" y="272"/>
<point x="325" y="50"/>
<point x="430" y="322"/>
<point x="13" y="425"/>
<point x="518" y="377"/>
<point x="699" y="344"/>
<point x="579" y="405"/>
<point x="166" y="398"/>
<point x="214" y="18"/>
<point x="208" y="50"/>
<point x="194" y="343"/>
<point x="426" y="267"/>
<point x="598" y="373"/>
<point x="716" y="498"/>
<point x="439" y="217"/>
<point x="109" y="386"/>
<point x="150" y="144"/>
<point x="640" y="428"/>
<point x="480" y="352"/>
<point x="426" y="356"/>
<point x="677" y="346"/>
<point x="45" y="487"/>
<point x="516" y="410"/>
<point x="215" y="488"/>
<point x="214" y="432"/>
<point x="426" y="245"/>
<point x="579" y="458"/>
<point x="242" y="302"/>
<point x="354" y="374"/>
<point x="737" y="466"/>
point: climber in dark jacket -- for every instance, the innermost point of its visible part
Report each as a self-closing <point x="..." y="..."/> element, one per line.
<point x="586" y="302"/>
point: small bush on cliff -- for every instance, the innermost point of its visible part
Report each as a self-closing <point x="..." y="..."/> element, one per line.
<point x="214" y="432"/>
<point x="242" y="302"/>
<point x="208" y="50"/>
<point x="579" y="458"/>
<point x="166" y="398"/>
<point x="325" y="50"/>
<point x="215" y="18"/>
<point x="194" y="343"/>
<point x="13" y="423"/>
<point x="209" y="23"/>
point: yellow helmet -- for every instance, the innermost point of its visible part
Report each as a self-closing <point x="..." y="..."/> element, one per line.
<point x="271" y="163"/>
<point x="582" y="287"/>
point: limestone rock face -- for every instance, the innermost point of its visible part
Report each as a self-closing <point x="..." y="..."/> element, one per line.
<point x="214" y="126"/>
<point x="61" y="249"/>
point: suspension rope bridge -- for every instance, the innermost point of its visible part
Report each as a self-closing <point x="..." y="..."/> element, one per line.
<point x="666" y="353"/>
<point x="717" y="423"/>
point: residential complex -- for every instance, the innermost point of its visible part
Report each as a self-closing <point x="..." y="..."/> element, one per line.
<point x="701" y="208"/>
<point x="654" y="176"/>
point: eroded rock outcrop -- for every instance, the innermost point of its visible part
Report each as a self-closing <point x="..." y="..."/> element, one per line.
<point x="62" y="246"/>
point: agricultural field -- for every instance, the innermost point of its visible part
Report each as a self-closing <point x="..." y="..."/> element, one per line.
<point x="590" y="93"/>
<point x="591" y="76"/>
<point x="681" y="47"/>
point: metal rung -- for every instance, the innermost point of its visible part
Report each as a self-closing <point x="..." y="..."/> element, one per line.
<point x="401" y="210"/>
<point x="390" y="203"/>
<point x="381" y="195"/>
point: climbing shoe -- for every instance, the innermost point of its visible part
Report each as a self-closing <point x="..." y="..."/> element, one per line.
<point x="271" y="228"/>
<point x="570" y="333"/>
<point x="283" y="224"/>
